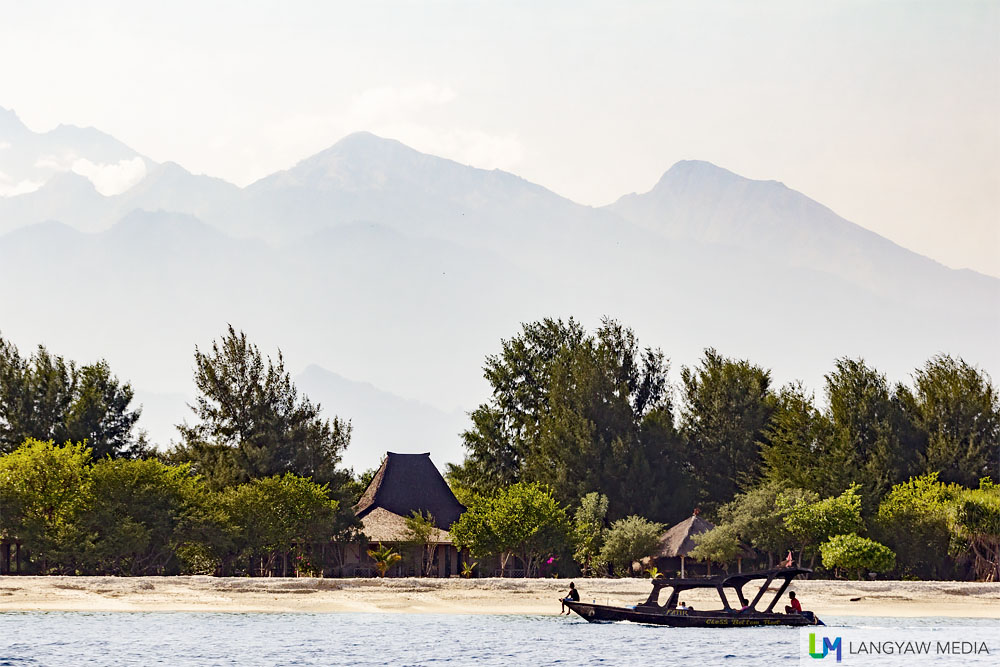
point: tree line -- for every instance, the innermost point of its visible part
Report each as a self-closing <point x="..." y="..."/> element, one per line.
<point x="255" y="485"/>
<point x="594" y="419"/>
<point x="583" y="452"/>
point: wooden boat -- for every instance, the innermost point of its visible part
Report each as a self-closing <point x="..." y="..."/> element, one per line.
<point x="651" y="612"/>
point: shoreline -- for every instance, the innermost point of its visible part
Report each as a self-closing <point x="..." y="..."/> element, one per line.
<point x="460" y="596"/>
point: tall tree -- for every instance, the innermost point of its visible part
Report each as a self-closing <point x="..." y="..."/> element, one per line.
<point x="727" y="406"/>
<point x="505" y="429"/>
<point x="253" y="422"/>
<point x="580" y="413"/>
<point x="870" y="431"/>
<point x="47" y="397"/>
<point x="609" y="426"/>
<point x="100" y="414"/>
<point x="796" y="442"/>
<point x="957" y="407"/>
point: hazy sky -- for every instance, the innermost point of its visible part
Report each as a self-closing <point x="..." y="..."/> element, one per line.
<point x="887" y="112"/>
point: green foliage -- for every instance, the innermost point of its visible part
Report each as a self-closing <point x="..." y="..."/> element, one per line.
<point x="384" y="557"/>
<point x="727" y="405"/>
<point x="577" y="412"/>
<point x="856" y="555"/>
<point x="589" y="530"/>
<point x="976" y="528"/>
<point x="719" y="545"/>
<point x="505" y="430"/>
<point x="43" y="489"/>
<point x="522" y="519"/>
<point x="629" y="540"/>
<point x="468" y="569"/>
<point x="957" y="408"/>
<point x="420" y="530"/>
<point x="758" y="519"/>
<point x="149" y="518"/>
<point x="914" y="520"/>
<point x="47" y="397"/>
<point x="273" y="516"/>
<point x="811" y="523"/>
<point x="253" y="423"/>
<point x="795" y="444"/>
<point x="871" y="439"/>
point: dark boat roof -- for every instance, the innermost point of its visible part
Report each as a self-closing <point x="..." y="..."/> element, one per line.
<point x="733" y="580"/>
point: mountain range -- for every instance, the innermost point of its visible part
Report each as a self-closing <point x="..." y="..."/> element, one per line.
<point x="403" y="271"/>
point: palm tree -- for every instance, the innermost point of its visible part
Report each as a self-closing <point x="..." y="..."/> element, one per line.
<point x="384" y="558"/>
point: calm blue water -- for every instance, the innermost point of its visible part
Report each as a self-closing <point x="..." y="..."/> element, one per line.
<point x="61" y="638"/>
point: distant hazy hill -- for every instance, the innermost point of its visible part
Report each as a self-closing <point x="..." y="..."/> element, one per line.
<point x="29" y="160"/>
<point x="383" y="421"/>
<point x="699" y="201"/>
<point x="405" y="270"/>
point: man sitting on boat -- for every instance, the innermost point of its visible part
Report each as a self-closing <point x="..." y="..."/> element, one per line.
<point x="795" y="607"/>
<point x="572" y="596"/>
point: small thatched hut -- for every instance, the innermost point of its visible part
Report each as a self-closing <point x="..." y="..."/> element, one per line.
<point x="677" y="543"/>
<point x="405" y="483"/>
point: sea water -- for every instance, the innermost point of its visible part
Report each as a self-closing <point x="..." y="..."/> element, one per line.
<point x="186" y="638"/>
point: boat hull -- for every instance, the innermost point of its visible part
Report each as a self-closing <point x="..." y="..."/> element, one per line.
<point x="678" y="618"/>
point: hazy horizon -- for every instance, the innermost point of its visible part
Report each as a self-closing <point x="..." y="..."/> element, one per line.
<point x="810" y="174"/>
<point x="886" y="113"/>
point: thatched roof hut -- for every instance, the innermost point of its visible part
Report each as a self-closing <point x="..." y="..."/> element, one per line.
<point x="677" y="542"/>
<point x="402" y="484"/>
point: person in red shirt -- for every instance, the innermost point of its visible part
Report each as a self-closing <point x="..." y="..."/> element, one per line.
<point x="795" y="607"/>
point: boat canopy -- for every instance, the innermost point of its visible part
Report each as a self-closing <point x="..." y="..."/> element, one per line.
<point x="734" y="581"/>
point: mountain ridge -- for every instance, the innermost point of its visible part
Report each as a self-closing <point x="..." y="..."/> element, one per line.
<point x="411" y="274"/>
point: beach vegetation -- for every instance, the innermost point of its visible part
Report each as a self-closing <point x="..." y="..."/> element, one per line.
<point x="582" y="442"/>
<point x="384" y="557"/>
<point x="856" y="555"/>
<point x="589" y="530"/>
<point x="522" y="520"/>
<point x="812" y="523"/>
<point x="630" y="540"/>
<point x="273" y="519"/>
<point x="956" y="408"/>
<point x="419" y="533"/>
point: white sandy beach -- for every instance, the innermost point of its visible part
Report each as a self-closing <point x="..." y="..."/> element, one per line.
<point x="459" y="596"/>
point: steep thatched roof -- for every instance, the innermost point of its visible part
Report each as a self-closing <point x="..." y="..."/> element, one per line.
<point x="408" y="482"/>
<point x="677" y="541"/>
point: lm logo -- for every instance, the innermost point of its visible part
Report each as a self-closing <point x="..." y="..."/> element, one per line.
<point x="827" y="646"/>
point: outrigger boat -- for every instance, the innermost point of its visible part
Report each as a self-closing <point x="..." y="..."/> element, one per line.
<point x="652" y="613"/>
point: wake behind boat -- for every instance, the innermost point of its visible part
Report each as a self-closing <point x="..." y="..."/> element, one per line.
<point x="653" y="613"/>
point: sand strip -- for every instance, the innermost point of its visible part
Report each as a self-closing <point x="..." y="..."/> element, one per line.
<point x="460" y="596"/>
